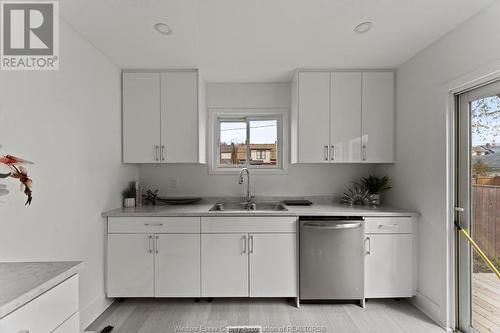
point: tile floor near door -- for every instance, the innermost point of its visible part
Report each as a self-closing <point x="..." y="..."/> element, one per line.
<point x="170" y="316"/>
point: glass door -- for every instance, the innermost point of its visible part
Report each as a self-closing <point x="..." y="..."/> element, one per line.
<point x="478" y="198"/>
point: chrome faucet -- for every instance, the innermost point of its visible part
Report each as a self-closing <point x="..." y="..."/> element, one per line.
<point x="248" y="198"/>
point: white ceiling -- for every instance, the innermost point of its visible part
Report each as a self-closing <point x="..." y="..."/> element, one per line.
<point x="264" y="40"/>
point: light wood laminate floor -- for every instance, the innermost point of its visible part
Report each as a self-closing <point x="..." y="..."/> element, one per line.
<point x="166" y="316"/>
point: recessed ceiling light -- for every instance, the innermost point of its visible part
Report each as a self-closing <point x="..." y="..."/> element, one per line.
<point x="363" y="27"/>
<point x="163" y="29"/>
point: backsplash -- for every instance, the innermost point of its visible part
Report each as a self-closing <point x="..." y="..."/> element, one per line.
<point x="305" y="179"/>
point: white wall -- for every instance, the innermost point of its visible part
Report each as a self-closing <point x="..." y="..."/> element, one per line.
<point x="419" y="175"/>
<point x="301" y="180"/>
<point x="69" y="123"/>
<point x="191" y="179"/>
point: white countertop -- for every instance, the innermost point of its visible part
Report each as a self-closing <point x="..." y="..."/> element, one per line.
<point x="21" y="282"/>
<point x="320" y="207"/>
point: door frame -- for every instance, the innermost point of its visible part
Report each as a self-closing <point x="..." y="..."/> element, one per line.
<point x="450" y="90"/>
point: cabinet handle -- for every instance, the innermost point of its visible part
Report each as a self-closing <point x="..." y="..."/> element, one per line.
<point x="369" y="249"/>
<point x="387" y="225"/>
<point x="157" y="244"/>
<point x="245" y="244"/>
<point x="157" y="148"/>
<point x="150" y="244"/>
<point x="162" y="152"/>
<point x="326" y="153"/>
<point x="333" y="153"/>
<point x="153" y="224"/>
<point x="251" y="244"/>
<point x="364" y="152"/>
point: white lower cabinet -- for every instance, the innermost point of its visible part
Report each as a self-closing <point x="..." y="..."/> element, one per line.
<point x="389" y="260"/>
<point x="273" y="268"/>
<point x="153" y="264"/>
<point x="130" y="265"/>
<point x="249" y="265"/>
<point x="224" y="265"/>
<point x="177" y="265"/>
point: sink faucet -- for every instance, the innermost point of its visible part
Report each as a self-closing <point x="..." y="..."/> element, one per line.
<point x="248" y="198"/>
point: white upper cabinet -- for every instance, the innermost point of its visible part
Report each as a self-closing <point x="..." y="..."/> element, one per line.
<point x="345" y="117"/>
<point x="342" y="117"/>
<point x="161" y="117"/>
<point x="179" y="135"/>
<point x="141" y="117"/>
<point x="314" y="117"/>
<point x="378" y="117"/>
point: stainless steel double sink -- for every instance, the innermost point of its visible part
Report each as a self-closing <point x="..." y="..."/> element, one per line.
<point x="248" y="207"/>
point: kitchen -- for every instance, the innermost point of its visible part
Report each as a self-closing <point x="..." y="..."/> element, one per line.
<point x="274" y="129"/>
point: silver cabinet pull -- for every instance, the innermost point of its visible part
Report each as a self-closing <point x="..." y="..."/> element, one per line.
<point x="459" y="209"/>
<point x="364" y="152"/>
<point x="157" y="148"/>
<point x="333" y="153"/>
<point x="162" y="152"/>
<point x="387" y="226"/>
<point x="369" y="248"/>
<point x="251" y="244"/>
<point x="153" y="224"/>
<point x="326" y="153"/>
<point x="157" y="244"/>
<point x="245" y="244"/>
<point x="150" y="244"/>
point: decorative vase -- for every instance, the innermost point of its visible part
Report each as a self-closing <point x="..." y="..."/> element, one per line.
<point x="129" y="202"/>
<point x="376" y="199"/>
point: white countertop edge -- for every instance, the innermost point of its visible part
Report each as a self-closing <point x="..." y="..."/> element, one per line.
<point x="202" y="210"/>
<point x="27" y="297"/>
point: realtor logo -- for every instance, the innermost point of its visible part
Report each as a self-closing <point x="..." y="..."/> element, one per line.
<point x="29" y="35"/>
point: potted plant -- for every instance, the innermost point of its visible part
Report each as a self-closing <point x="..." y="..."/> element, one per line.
<point x="376" y="185"/>
<point x="129" y="196"/>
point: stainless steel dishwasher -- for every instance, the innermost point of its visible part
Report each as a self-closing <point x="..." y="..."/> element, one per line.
<point x="332" y="258"/>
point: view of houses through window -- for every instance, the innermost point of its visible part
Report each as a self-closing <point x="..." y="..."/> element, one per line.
<point x="262" y="136"/>
<point x="485" y="224"/>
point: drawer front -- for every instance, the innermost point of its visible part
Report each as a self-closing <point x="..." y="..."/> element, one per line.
<point x="46" y="312"/>
<point x="151" y="225"/>
<point x="248" y="224"/>
<point x="388" y="225"/>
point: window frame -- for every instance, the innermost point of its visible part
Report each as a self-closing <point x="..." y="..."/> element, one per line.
<point x="246" y="115"/>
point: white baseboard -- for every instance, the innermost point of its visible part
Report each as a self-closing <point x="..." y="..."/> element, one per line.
<point x="430" y="308"/>
<point x="94" y="310"/>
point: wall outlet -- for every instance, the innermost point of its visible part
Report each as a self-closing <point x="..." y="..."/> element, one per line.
<point x="174" y="182"/>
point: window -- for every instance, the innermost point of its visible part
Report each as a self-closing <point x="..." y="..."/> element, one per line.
<point x="251" y="142"/>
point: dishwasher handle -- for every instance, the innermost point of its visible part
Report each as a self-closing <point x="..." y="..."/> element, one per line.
<point x="332" y="225"/>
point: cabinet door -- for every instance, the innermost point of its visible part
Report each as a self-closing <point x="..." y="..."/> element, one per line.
<point x="388" y="270"/>
<point x="130" y="263"/>
<point x="314" y="117"/>
<point x="141" y="117"/>
<point x="345" y="117"/>
<point x="224" y="265"/>
<point x="273" y="268"/>
<point x="378" y="117"/>
<point x="177" y="265"/>
<point x="179" y="135"/>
